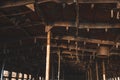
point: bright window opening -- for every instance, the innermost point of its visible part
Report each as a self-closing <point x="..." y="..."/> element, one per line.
<point x="29" y="76"/>
<point x="25" y="76"/>
<point x="20" y="75"/>
<point x="13" y="79"/>
<point x="6" y="73"/>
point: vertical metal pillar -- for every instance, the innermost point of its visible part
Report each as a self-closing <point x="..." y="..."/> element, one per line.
<point x="59" y="65"/>
<point x="90" y="74"/>
<point x="48" y="56"/>
<point x="2" y="70"/>
<point x="3" y="64"/>
<point x="104" y="76"/>
<point x="86" y="75"/>
<point x="52" y="70"/>
<point x="97" y="75"/>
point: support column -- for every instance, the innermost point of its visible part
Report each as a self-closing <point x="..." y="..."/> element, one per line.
<point x="2" y="70"/>
<point x="52" y="78"/>
<point x="104" y="76"/>
<point x="86" y="76"/>
<point x="97" y="75"/>
<point x="59" y="65"/>
<point x="3" y="64"/>
<point x="90" y="74"/>
<point x="48" y="56"/>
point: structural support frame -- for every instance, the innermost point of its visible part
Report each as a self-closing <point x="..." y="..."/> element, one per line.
<point x="48" y="56"/>
<point x="97" y="74"/>
<point x="104" y="74"/>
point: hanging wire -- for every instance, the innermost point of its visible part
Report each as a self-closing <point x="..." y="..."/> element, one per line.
<point x="77" y="27"/>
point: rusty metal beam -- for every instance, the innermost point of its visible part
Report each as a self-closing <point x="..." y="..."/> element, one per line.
<point x="80" y="39"/>
<point x="88" y="40"/>
<point x="70" y="24"/>
<point x="25" y="2"/>
<point x="87" y="25"/>
<point x="71" y="47"/>
<point x="73" y="53"/>
<point x="16" y="14"/>
<point x="16" y="3"/>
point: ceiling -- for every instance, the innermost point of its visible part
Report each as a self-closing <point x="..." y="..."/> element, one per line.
<point x="23" y="33"/>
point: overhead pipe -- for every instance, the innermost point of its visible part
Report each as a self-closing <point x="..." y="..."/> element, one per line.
<point x="48" y="56"/>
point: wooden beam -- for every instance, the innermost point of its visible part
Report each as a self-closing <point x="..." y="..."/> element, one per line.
<point x="92" y="1"/>
<point x="70" y="24"/>
<point x="88" y="40"/>
<point x="30" y="6"/>
<point x="81" y="39"/>
<point x="74" y="53"/>
<point x="16" y="14"/>
<point x="23" y="25"/>
<point x="25" y="2"/>
<point x="69" y="56"/>
<point x="16" y="3"/>
<point x="87" y="25"/>
<point x="72" y="48"/>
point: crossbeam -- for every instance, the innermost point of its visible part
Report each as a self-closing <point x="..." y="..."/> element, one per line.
<point x="81" y="39"/>
<point x="25" y="2"/>
<point x="73" y="53"/>
<point x="71" y="24"/>
<point x="72" y="48"/>
<point x="87" y="25"/>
